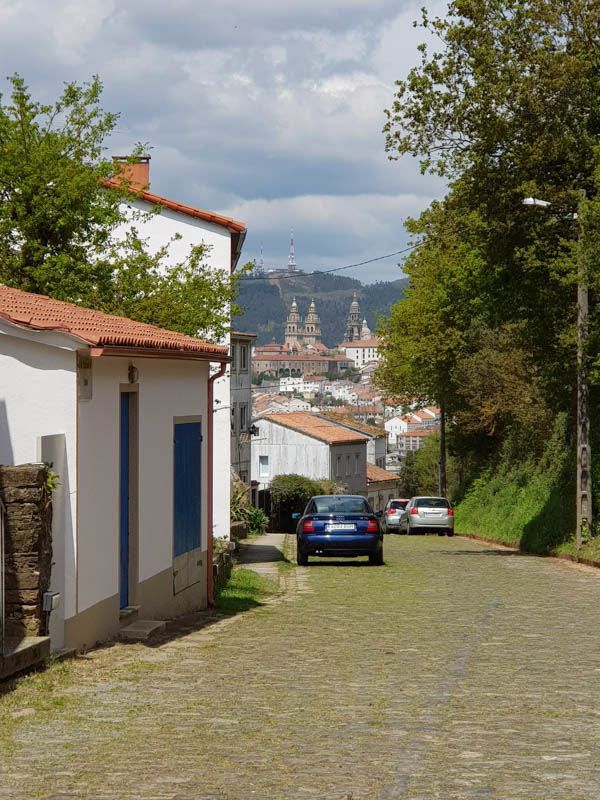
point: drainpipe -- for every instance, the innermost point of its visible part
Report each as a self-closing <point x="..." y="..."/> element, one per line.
<point x="209" y="514"/>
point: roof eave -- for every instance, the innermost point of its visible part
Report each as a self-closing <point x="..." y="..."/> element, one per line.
<point x="159" y="352"/>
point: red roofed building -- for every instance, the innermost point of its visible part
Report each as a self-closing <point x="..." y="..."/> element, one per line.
<point x="381" y="487"/>
<point x="412" y="440"/>
<point x="183" y="226"/>
<point x="308" y="445"/>
<point x="123" y="412"/>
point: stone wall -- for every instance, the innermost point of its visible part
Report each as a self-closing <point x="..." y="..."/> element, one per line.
<point x="27" y="547"/>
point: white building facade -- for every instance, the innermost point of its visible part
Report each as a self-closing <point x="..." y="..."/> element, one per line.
<point x="306" y="445"/>
<point x="128" y="431"/>
<point x="184" y="227"/>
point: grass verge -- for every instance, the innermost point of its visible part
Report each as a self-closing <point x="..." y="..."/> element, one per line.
<point x="244" y="590"/>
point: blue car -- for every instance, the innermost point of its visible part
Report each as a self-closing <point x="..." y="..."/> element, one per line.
<point x="339" y="526"/>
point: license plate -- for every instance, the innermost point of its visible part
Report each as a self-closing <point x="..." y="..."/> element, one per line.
<point x="341" y="526"/>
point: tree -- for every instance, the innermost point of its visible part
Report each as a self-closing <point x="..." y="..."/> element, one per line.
<point x="55" y="218"/>
<point x="508" y="108"/>
<point x="58" y="219"/>
<point x="408" y="480"/>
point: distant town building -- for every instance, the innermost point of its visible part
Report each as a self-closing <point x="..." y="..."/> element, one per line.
<point x="359" y="344"/>
<point x="241" y="403"/>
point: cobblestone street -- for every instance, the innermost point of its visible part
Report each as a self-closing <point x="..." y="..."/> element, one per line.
<point x="454" y="671"/>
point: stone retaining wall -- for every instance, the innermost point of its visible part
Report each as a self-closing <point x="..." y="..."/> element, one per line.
<point x="27" y="546"/>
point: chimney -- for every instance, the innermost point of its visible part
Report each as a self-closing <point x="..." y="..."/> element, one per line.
<point x="136" y="172"/>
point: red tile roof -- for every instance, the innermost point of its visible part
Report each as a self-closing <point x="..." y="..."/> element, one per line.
<point x="312" y="425"/>
<point x="262" y="356"/>
<point x="209" y="216"/>
<point x="362" y="343"/>
<point x="38" y="312"/>
<point x="376" y="474"/>
<point x="351" y="422"/>
<point x="420" y="431"/>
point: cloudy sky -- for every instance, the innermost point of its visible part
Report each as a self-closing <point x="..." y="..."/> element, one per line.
<point x="268" y="111"/>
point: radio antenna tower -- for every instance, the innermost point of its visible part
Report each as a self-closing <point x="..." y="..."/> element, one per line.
<point x="291" y="260"/>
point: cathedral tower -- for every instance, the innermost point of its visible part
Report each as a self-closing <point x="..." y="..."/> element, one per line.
<point x="293" y="326"/>
<point x="312" y="326"/>
<point x="353" y="324"/>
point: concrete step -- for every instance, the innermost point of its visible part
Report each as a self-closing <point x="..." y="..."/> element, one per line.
<point x="128" y="614"/>
<point x="142" y="629"/>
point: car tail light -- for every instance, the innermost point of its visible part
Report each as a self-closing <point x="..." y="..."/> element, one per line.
<point x="372" y="526"/>
<point x="307" y="526"/>
<point x="391" y="510"/>
<point x="414" y="510"/>
<point x="450" y="512"/>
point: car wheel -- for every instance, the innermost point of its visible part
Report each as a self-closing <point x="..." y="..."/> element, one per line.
<point x="450" y="533"/>
<point x="302" y="559"/>
<point x="376" y="559"/>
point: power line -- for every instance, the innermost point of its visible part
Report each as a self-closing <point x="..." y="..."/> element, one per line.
<point x="335" y="269"/>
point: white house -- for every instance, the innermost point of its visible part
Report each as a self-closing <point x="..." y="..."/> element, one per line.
<point x="376" y="437"/>
<point x="308" y="445"/>
<point x="241" y="402"/>
<point x="397" y="425"/>
<point x="413" y="440"/>
<point x="185" y="226"/>
<point x="291" y="385"/>
<point x="362" y="351"/>
<point x="381" y="487"/>
<point x="123" y="411"/>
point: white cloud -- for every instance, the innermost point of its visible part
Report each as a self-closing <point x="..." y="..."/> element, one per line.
<point x="272" y="110"/>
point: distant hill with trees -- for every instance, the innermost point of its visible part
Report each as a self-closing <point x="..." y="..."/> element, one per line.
<point x="266" y="302"/>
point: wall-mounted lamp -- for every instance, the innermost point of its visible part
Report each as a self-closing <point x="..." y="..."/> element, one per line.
<point x="133" y="374"/>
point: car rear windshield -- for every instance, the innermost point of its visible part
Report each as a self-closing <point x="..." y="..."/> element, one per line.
<point x="341" y="505"/>
<point x="398" y="503"/>
<point x="433" y="502"/>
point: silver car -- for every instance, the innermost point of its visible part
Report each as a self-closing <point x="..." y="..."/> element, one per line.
<point x="392" y="515"/>
<point x="428" y="515"/>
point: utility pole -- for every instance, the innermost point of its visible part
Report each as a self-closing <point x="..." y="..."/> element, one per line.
<point x="583" y="498"/>
<point x="442" y="467"/>
<point x="584" y="455"/>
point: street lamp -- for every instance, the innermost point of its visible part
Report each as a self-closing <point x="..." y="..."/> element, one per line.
<point x="584" y="453"/>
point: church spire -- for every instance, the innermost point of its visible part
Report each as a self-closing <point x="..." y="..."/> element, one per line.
<point x="292" y="259"/>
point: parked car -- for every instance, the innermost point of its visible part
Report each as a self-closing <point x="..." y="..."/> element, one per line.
<point x="339" y="526"/>
<point x="392" y="514"/>
<point x="428" y="515"/>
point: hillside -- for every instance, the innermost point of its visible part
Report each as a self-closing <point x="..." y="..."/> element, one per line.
<point x="266" y="302"/>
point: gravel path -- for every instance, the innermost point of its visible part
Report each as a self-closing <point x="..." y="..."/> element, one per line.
<point x="454" y="671"/>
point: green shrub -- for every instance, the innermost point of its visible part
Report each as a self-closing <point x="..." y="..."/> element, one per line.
<point x="290" y="494"/>
<point x="257" y="521"/>
<point x="238" y="509"/>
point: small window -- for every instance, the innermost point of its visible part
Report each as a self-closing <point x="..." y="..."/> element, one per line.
<point x="233" y="416"/>
<point x="263" y="466"/>
<point x="356" y="463"/>
<point x="243" y="416"/>
<point x="233" y="357"/>
<point x="338" y="465"/>
<point x="244" y="357"/>
<point x="347" y="465"/>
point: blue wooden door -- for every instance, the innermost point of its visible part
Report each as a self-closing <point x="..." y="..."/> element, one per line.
<point x="124" y="502"/>
<point x="186" y="487"/>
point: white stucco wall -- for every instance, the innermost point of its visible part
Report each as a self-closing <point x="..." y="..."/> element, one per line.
<point x="38" y="401"/>
<point x="354" y="455"/>
<point x="288" y="451"/>
<point x="165" y="389"/>
<point x="159" y="229"/>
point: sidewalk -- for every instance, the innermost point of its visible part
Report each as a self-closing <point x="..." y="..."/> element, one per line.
<point x="262" y="553"/>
